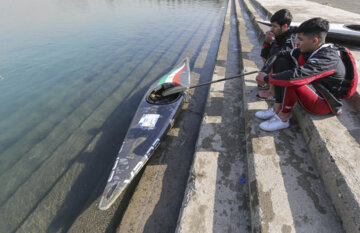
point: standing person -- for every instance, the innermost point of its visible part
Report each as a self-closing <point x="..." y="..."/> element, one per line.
<point x="281" y="37"/>
<point x="316" y="81"/>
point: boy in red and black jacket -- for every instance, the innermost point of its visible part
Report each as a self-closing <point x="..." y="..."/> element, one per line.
<point x="315" y="81"/>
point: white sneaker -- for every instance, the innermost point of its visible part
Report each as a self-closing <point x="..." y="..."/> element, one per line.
<point x="275" y="123"/>
<point x="265" y="114"/>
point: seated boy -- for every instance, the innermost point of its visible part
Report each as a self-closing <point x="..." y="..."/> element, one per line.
<point x="280" y="37"/>
<point x="315" y="81"/>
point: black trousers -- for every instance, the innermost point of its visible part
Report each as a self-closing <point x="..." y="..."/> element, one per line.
<point x="281" y="64"/>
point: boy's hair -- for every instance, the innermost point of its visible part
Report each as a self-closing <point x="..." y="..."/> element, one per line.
<point x="315" y="27"/>
<point x="282" y="17"/>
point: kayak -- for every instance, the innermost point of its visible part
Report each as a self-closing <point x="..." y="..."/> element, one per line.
<point x="347" y="33"/>
<point x="153" y="118"/>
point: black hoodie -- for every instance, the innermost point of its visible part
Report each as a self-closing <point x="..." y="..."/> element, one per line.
<point x="285" y="41"/>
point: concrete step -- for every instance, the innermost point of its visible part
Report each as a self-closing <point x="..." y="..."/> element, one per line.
<point x="334" y="141"/>
<point x="286" y="191"/>
<point x="216" y="197"/>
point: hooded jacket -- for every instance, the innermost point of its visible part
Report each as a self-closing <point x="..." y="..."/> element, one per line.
<point x="323" y="69"/>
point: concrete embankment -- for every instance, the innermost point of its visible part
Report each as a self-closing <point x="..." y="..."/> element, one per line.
<point x="215" y="199"/>
<point x="301" y="179"/>
<point x="332" y="140"/>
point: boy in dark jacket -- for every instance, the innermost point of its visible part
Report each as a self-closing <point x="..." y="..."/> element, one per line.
<point x="315" y="81"/>
<point x="281" y="37"/>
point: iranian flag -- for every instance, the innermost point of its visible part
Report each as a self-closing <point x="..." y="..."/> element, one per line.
<point x="173" y="76"/>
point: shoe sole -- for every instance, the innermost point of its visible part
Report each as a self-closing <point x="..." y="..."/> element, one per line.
<point x="264" y="118"/>
<point x="274" y="129"/>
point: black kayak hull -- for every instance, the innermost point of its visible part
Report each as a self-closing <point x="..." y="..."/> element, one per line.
<point x="148" y="126"/>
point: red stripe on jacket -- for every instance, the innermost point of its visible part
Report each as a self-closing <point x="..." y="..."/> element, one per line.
<point x="302" y="81"/>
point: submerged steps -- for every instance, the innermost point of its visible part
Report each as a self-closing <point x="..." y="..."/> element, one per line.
<point x="72" y="159"/>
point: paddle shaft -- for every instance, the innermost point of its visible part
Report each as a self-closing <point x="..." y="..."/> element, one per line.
<point x="223" y="79"/>
<point x="178" y="89"/>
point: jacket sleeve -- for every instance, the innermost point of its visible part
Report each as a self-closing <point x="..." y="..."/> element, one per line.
<point x="271" y="60"/>
<point x="265" y="51"/>
<point x="315" y="68"/>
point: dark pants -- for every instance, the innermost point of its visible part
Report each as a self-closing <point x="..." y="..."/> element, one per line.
<point x="281" y="64"/>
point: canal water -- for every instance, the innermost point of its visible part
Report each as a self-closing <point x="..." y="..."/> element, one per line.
<point x="72" y="73"/>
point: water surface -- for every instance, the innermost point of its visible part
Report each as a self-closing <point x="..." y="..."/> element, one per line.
<point x="73" y="75"/>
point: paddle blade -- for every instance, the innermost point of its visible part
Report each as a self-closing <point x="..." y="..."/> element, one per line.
<point x="173" y="90"/>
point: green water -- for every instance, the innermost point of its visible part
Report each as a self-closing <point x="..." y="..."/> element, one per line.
<point x="72" y="75"/>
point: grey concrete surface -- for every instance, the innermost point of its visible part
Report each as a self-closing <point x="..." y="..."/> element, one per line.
<point x="348" y="5"/>
<point x="287" y="193"/>
<point x="332" y="139"/>
<point x="216" y="198"/>
<point x="303" y="10"/>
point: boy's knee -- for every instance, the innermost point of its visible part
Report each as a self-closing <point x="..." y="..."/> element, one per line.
<point x="281" y="64"/>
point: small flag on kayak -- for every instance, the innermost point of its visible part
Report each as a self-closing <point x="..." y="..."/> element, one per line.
<point x="173" y="76"/>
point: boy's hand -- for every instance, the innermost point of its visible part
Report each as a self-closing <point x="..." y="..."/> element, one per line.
<point x="269" y="36"/>
<point x="260" y="78"/>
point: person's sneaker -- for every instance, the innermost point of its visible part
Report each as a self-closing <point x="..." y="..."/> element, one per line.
<point x="265" y="114"/>
<point x="275" y="123"/>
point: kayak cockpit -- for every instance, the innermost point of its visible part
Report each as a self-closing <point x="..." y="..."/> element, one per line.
<point x="156" y="96"/>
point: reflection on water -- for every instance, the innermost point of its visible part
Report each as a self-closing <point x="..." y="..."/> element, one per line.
<point x="74" y="73"/>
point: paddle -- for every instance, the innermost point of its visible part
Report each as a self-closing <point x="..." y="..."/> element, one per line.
<point x="178" y="89"/>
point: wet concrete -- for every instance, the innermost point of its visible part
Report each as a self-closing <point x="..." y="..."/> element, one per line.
<point x="216" y="198"/>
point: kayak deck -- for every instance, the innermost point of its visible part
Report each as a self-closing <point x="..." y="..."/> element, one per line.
<point x="149" y="125"/>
